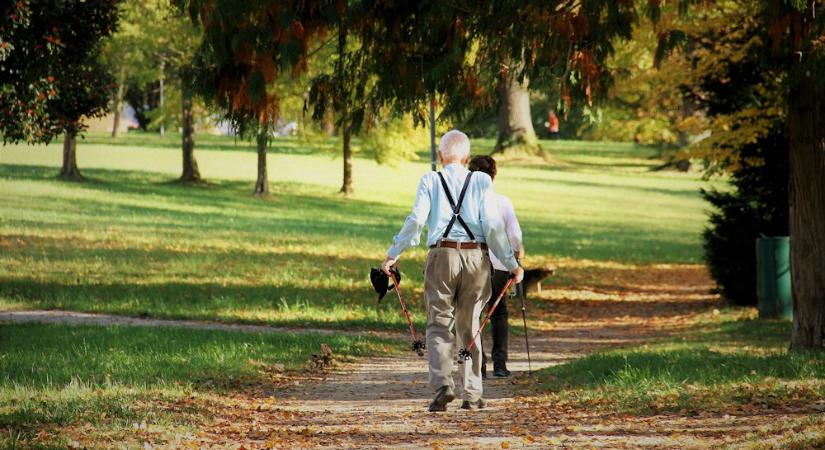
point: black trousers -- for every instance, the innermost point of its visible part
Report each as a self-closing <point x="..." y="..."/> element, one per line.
<point x="498" y="321"/>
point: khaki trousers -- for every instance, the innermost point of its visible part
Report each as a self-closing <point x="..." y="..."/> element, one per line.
<point x="456" y="287"/>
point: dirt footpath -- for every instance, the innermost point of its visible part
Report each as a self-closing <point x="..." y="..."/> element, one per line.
<point x="382" y="402"/>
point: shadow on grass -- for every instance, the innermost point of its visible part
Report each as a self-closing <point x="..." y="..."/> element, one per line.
<point x="632" y="191"/>
<point x="289" y="305"/>
<point x="278" y="145"/>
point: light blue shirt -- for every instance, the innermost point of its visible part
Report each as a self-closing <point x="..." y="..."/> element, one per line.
<point x="479" y="210"/>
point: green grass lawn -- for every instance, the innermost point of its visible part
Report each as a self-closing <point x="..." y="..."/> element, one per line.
<point x="129" y="241"/>
<point x="112" y="378"/>
<point x="730" y="363"/>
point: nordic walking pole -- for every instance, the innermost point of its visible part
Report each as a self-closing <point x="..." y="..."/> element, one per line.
<point x="464" y="353"/>
<point x="418" y="345"/>
<point x="520" y="289"/>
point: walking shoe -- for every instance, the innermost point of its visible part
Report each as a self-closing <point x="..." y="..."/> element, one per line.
<point x="443" y="396"/>
<point x="500" y="370"/>
<point x="475" y="404"/>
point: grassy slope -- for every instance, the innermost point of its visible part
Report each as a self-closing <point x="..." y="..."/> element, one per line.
<point x="131" y="242"/>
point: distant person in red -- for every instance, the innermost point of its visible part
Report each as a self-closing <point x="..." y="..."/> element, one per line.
<point x="553" y="125"/>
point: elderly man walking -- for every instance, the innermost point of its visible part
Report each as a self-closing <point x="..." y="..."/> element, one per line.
<point x="463" y="222"/>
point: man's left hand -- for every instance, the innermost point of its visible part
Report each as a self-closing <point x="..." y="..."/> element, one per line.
<point x="389" y="263"/>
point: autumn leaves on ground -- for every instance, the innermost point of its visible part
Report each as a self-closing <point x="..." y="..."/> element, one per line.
<point x="630" y="346"/>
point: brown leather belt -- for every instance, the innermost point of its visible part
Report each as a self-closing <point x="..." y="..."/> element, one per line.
<point x="462" y="245"/>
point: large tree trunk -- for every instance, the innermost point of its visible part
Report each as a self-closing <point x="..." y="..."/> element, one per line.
<point x="70" y="170"/>
<point x="346" y="187"/>
<point x="190" y="174"/>
<point x="262" y="184"/>
<point x="121" y="91"/>
<point x="515" y="123"/>
<point x="807" y="202"/>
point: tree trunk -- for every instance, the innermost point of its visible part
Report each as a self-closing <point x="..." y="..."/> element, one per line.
<point x="160" y="100"/>
<point x="262" y="184"/>
<point x="121" y="90"/>
<point x="515" y="123"/>
<point x="70" y="170"/>
<point x="346" y="120"/>
<point x="807" y="202"/>
<point x="329" y="122"/>
<point x="346" y="187"/>
<point x="190" y="174"/>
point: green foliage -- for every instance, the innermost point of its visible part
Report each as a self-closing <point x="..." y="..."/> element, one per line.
<point x="171" y="114"/>
<point x="757" y="207"/>
<point x="240" y="57"/>
<point x="396" y="139"/>
<point x="462" y="53"/>
<point x="743" y="111"/>
<point x="154" y="41"/>
<point x="132" y="50"/>
<point x="50" y="72"/>
<point x="645" y="104"/>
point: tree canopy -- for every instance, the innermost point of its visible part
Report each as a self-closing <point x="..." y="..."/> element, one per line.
<point x="51" y="74"/>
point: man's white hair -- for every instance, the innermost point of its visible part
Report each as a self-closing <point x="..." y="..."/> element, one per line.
<point x="454" y="145"/>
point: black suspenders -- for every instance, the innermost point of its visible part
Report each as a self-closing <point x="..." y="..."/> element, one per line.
<point x="456" y="207"/>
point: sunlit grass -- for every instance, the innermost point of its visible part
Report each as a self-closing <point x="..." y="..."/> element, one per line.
<point x="129" y="241"/>
<point x="720" y="364"/>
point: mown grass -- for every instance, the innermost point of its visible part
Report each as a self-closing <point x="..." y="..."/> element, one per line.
<point x="116" y="378"/>
<point x="722" y="364"/>
<point x="130" y="241"/>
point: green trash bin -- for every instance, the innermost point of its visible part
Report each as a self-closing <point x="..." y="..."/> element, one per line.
<point x="773" y="277"/>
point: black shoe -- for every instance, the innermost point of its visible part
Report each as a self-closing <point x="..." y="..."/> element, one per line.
<point x="443" y="396"/>
<point x="476" y="404"/>
<point x="500" y="370"/>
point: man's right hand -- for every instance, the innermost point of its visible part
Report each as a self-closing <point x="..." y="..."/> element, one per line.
<point x="519" y="274"/>
<point x="388" y="264"/>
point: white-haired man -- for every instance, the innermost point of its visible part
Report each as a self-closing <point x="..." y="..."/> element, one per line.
<point x="463" y="222"/>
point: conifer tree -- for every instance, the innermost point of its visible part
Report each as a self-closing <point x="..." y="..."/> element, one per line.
<point x="464" y="53"/>
<point x="246" y="46"/>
